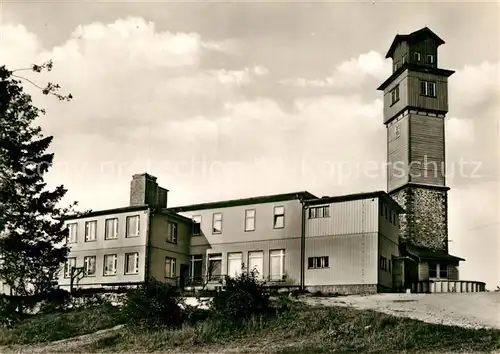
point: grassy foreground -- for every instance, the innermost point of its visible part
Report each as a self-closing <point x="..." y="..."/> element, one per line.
<point x="300" y="330"/>
<point x="307" y="330"/>
<point x="55" y="326"/>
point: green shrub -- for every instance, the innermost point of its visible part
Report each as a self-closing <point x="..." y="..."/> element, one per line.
<point x="193" y="315"/>
<point x="56" y="301"/>
<point x="242" y="297"/>
<point x="153" y="304"/>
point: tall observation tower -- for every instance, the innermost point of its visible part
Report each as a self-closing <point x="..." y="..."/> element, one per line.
<point x="415" y="107"/>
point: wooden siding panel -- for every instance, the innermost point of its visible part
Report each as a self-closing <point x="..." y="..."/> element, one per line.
<point x="352" y="260"/>
<point x="415" y="99"/>
<point x="427" y="46"/>
<point x="390" y="110"/>
<point x="427" y="150"/>
<point x="397" y="153"/>
<point x="352" y="217"/>
<point x="452" y="272"/>
<point x="423" y="271"/>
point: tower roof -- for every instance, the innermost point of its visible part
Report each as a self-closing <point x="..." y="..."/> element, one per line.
<point x="421" y="33"/>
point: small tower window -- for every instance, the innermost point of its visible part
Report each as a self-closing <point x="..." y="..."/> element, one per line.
<point x="416" y="55"/>
<point x="430" y="59"/>
<point x="403" y="60"/>
<point x="396" y="65"/>
<point x="395" y="95"/>
<point x="428" y="88"/>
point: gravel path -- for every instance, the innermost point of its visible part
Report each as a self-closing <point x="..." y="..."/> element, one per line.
<point x="472" y="310"/>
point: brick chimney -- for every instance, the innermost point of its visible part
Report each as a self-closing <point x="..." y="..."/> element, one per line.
<point x="145" y="190"/>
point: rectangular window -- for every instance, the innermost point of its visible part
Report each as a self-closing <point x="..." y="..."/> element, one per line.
<point x="89" y="266"/>
<point x="383" y="263"/>
<point x="277" y="264"/>
<point x="132" y="263"/>
<point x="217" y="223"/>
<point x="90" y="231"/>
<point x="397" y="131"/>
<point x="170" y="267"/>
<point x="214" y="266"/>
<point x="395" y="95"/>
<point x="256" y="263"/>
<point x="432" y="270"/>
<point x="250" y="220"/>
<point x="111" y="229"/>
<point x="443" y="270"/>
<point x="110" y="263"/>
<point x="430" y="59"/>
<point x="428" y="88"/>
<point x="133" y="226"/>
<point x="196" y="225"/>
<point x="195" y="268"/>
<point x="73" y="233"/>
<point x="404" y="59"/>
<point x="317" y="262"/>
<point x="171" y="232"/>
<point x="234" y="263"/>
<point x="70" y="263"/>
<point x="389" y="262"/>
<point x="396" y="66"/>
<point x="416" y="55"/>
<point x="319" y="212"/>
<point x="279" y="217"/>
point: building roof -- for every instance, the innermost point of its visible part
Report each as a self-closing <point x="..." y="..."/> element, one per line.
<point x="415" y="67"/>
<point x="366" y="195"/>
<point x="427" y="254"/>
<point x="244" y="201"/>
<point x="93" y="213"/>
<point x="421" y="33"/>
<point x="167" y="212"/>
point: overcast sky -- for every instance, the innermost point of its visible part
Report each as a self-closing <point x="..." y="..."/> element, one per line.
<point x="229" y="100"/>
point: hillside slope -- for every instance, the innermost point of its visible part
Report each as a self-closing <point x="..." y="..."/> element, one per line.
<point x="470" y="310"/>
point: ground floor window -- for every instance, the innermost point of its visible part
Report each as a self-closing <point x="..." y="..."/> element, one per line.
<point x="132" y="263"/>
<point x="195" y="267"/>
<point x="256" y="263"/>
<point x="214" y="270"/>
<point x="277" y="264"/>
<point x="317" y="262"/>
<point x="169" y="267"/>
<point x="436" y="269"/>
<point x="234" y="263"/>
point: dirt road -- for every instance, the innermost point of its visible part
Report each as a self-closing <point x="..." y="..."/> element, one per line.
<point x="472" y="310"/>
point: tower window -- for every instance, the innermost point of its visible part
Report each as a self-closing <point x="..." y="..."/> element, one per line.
<point x="416" y="56"/>
<point x="404" y="59"/>
<point x="430" y="59"/>
<point x="395" y="95"/>
<point x="428" y="88"/>
<point x="396" y="65"/>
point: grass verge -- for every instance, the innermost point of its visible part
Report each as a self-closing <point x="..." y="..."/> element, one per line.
<point x="55" y="326"/>
<point x="307" y="330"/>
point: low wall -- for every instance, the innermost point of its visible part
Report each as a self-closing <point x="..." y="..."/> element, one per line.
<point x="344" y="289"/>
<point x="448" y="286"/>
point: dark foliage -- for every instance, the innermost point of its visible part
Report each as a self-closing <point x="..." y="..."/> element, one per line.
<point x="242" y="297"/>
<point x="153" y="304"/>
<point x="31" y="225"/>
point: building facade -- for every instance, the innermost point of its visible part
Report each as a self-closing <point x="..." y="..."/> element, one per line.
<point x="359" y="243"/>
<point x="126" y="246"/>
<point x="343" y="244"/>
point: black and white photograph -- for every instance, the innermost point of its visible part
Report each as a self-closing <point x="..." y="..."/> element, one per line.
<point x="249" y="176"/>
